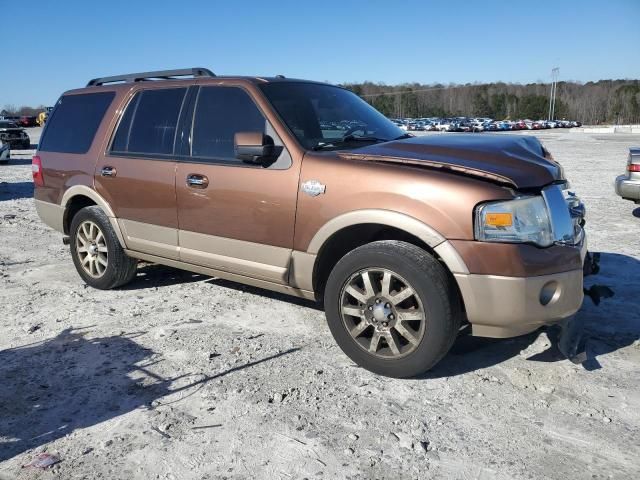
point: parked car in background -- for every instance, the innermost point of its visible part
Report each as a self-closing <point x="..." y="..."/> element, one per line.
<point x="445" y="125"/>
<point x="14" y="135"/>
<point x="5" y="152"/>
<point x="628" y="185"/>
<point x="10" y="118"/>
<point x="478" y="124"/>
<point x="28" y="121"/>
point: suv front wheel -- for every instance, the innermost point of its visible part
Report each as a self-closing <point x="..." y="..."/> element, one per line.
<point x="392" y="308"/>
<point x="96" y="251"/>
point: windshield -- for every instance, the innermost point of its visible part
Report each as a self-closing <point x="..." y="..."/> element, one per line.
<point x="327" y="117"/>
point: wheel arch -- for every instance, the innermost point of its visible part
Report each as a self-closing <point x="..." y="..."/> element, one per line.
<point x="80" y="196"/>
<point x="351" y="230"/>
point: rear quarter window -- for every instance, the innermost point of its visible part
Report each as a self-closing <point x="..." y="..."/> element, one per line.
<point x="74" y="122"/>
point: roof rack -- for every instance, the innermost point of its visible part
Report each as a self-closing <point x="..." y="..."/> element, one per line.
<point x="157" y="75"/>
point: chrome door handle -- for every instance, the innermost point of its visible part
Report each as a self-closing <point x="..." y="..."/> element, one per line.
<point x="195" y="180"/>
<point x="108" y="172"/>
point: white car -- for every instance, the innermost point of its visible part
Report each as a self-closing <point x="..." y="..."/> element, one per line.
<point x="5" y="152"/>
<point x="443" y="126"/>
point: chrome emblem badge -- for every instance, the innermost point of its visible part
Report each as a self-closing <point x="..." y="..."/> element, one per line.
<point x="313" y="188"/>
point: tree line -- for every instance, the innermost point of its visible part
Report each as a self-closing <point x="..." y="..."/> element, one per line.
<point x="23" y="111"/>
<point x="604" y="101"/>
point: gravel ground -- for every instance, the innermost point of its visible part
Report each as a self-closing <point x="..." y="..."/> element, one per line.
<point x="181" y="376"/>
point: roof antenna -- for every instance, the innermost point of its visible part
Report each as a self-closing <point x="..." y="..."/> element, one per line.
<point x="280" y="76"/>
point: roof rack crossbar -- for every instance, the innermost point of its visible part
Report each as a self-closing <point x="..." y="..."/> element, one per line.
<point x="159" y="74"/>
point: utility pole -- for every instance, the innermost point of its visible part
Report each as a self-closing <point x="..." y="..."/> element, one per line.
<point x="555" y="72"/>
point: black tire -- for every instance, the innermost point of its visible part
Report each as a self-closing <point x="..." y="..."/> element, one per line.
<point x="120" y="269"/>
<point x="434" y="287"/>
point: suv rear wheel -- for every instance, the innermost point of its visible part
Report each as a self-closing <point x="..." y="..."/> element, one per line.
<point x="392" y="308"/>
<point x="96" y="251"/>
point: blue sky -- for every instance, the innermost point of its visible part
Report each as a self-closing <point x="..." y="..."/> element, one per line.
<point x="53" y="46"/>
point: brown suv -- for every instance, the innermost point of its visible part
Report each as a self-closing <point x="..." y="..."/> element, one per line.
<point x="303" y="188"/>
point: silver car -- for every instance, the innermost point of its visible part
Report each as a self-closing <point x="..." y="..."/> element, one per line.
<point x="628" y="185"/>
<point x="5" y="152"/>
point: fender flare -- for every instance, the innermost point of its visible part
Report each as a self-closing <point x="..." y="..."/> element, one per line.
<point x="83" y="190"/>
<point x="409" y="224"/>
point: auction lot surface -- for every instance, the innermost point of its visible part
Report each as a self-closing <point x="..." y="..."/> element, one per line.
<point x="181" y="376"/>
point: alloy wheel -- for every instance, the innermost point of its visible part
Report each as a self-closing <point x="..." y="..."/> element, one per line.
<point x="92" y="249"/>
<point x="383" y="313"/>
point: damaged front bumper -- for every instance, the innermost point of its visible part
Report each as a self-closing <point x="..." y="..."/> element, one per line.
<point x="503" y="307"/>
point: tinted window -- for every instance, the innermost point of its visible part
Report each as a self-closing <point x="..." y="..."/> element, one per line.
<point x="220" y="113"/>
<point x="149" y="124"/>
<point x="74" y="122"/>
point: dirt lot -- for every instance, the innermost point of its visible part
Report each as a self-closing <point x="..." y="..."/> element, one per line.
<point x="181" y="376"/>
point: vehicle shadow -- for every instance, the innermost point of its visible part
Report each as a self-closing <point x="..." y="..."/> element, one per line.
<point x="301" y="302"/>
<point x="15" y="190"/>
<point x="72" y="381"/>
<point x="610" y="326"/>
<point x="152" y="275"/>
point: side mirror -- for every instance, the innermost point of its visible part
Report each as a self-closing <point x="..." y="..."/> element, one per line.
<point x="255" y="148"/>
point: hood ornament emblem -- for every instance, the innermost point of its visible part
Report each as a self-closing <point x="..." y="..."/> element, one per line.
<point x="313" y="188"/>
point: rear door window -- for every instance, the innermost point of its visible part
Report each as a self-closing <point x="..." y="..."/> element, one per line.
<point x="74" y="122"/>
<point x="149" y="124"/>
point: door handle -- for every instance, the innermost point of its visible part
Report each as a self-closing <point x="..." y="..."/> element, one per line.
<point x="108" y="172"/>
<point x="195" y="180"/>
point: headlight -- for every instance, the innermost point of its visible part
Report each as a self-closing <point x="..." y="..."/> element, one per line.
<point x="521" y="220"/>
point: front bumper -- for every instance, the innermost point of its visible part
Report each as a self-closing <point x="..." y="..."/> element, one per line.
<point x="628" y="188"/>
<point x="501" y="306"/>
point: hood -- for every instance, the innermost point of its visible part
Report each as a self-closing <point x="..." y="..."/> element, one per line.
<point x="516" y="160"/>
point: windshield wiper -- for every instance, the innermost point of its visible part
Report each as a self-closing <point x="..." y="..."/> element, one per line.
<point x="403" y="136"/>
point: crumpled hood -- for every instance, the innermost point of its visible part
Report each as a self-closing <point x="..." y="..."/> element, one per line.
<point x="517" y="160"/>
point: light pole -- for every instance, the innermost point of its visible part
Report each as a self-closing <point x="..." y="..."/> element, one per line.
<point x="555" y="71"/>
